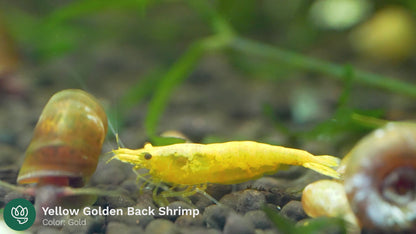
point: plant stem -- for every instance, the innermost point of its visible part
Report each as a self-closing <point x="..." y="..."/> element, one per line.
<point x="176" y="75"/>
<point x="251" y="47"/>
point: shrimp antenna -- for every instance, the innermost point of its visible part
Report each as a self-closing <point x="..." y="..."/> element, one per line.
<point x="76" y="75"/>
<point x="113" y="130"/>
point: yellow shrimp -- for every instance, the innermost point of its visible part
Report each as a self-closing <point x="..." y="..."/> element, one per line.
<point x="191" y="164"/>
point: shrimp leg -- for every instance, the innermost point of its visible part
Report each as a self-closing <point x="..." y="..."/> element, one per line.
<point x="183" y="194"/>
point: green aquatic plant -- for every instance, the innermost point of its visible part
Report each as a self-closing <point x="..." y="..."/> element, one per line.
<point x="318" y="225"/>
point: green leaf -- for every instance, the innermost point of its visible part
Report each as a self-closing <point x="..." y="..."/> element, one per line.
<point x="283" y="224"/>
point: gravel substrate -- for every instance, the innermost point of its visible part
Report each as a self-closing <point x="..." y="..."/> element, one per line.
<point x="240" y="208"/>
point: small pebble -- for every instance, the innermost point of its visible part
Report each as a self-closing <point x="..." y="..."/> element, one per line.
<point x="119" y="201"/>
<point x="186" y="221"/>
<point x="294" y="211"/>
<point x="46" y="230"/>
<point x="215" y="216"/>
<point x="113" y="173"/>
<point x="259" y="219"/>
<point x="97" y="224"/>
<point x="280" y="197"/>
<point x="267" y="183"/>
<point x="146" y="199"/>
<point x="118" y="228"/>
<point x="250" y="200"/>
<point x="243" y="201"/>
<point x="199" y="230"/>
<point x="201" y="202"/>
<point x="230" y="200"/>
<point x="238" y="224"/>
<point x="217" y="191"/>
<point x="161" y="226"/>
<point x="132" y="187"/>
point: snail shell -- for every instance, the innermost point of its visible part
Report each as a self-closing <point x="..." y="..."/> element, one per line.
<point x="380" y="178"/>
<point x="67" y="141"/>
<point x="327" y="198"/>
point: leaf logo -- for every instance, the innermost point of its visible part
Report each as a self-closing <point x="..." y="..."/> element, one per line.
<point x="20" y="214"/>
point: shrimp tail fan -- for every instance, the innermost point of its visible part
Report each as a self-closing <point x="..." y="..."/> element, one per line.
<point x="324" y="164"/>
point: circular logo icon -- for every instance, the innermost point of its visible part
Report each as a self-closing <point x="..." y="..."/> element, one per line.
<point x="19" y="214"/>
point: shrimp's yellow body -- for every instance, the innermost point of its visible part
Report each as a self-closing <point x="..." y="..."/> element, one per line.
<point x="222" y="163"/>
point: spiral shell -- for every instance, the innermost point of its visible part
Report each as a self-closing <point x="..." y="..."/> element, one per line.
<point x="380" y="178"/>
<point x="67" y="140"/>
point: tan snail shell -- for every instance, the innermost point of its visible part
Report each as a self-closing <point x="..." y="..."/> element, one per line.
<point x="327" y="198"/>
<point x="380" y="178"/>
<point x="67" y="141"/>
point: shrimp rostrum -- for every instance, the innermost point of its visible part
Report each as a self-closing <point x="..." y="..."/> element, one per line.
<point x="194" y="165"/>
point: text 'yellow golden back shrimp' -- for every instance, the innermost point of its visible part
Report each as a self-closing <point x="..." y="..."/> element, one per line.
<point x="222" y="163"/>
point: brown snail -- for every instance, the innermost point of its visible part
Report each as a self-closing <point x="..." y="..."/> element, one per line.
<point x="64" y="151"/>
<point x="67" y="141"/>
<point x="379" y="183"/>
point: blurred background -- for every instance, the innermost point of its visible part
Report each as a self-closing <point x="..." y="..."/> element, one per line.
<point x="315" y="75"/>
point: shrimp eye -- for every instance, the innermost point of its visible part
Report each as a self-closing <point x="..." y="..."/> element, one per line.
<point x="147" y="156"/>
